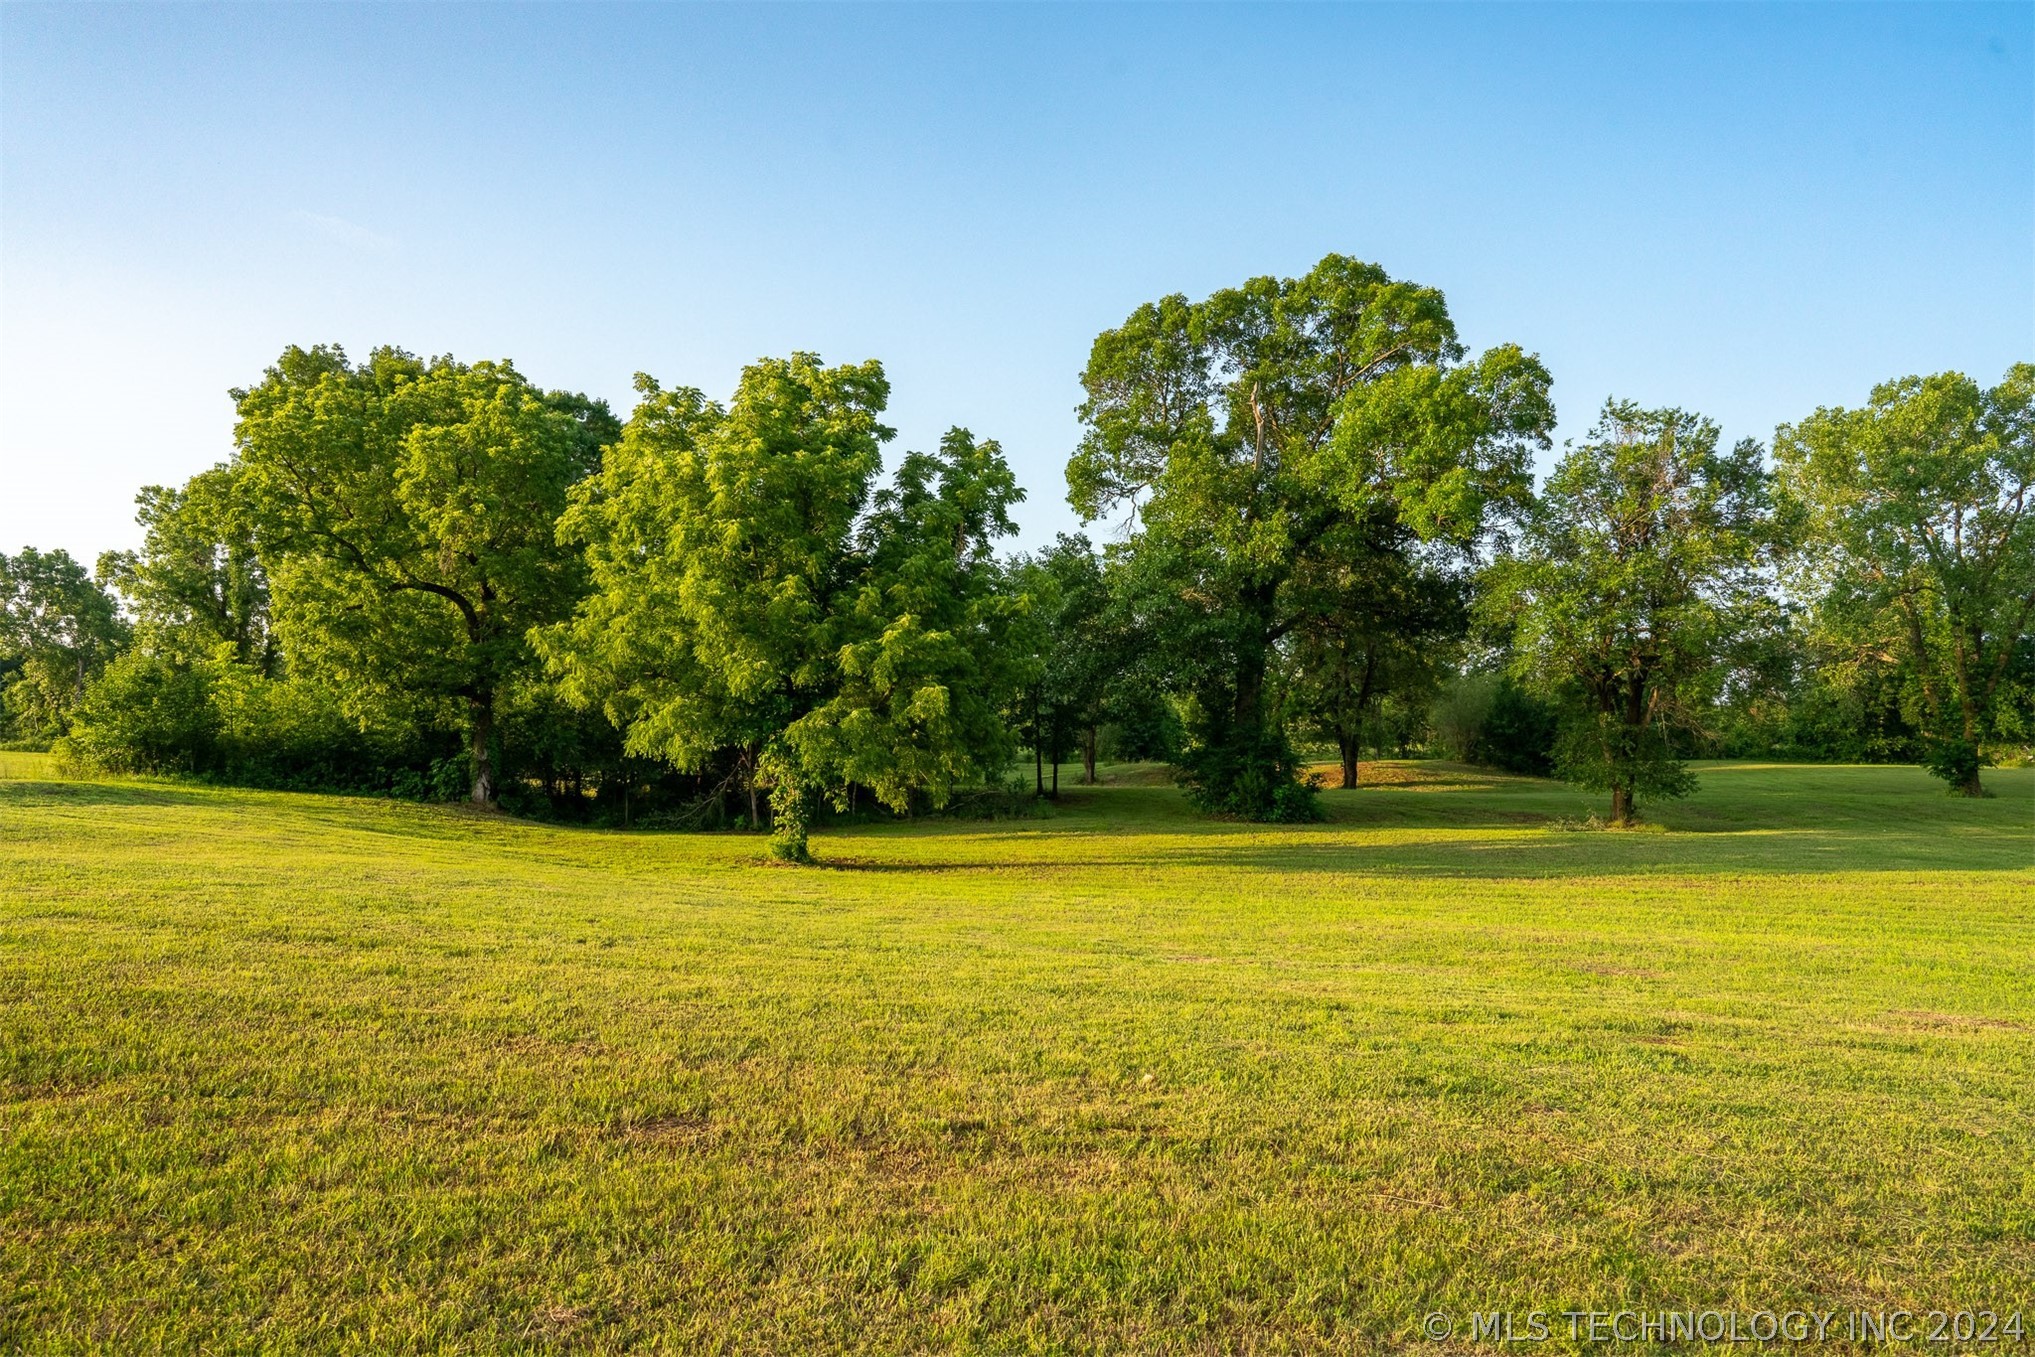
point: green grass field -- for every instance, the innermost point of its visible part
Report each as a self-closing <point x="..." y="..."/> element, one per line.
<point x="298" y="1073"/>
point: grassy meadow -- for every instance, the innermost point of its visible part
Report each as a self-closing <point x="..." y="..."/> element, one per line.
<point x="290" y="1073"/>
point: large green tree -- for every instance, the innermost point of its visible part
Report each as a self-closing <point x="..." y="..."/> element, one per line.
<point x="1919" y="544"/>
<point x="58" y="629"/>
<point x="1637" y="565"/>
<point x="754" y="593"/>
<point x="407" y="513"/>
<point x="1254" y="434"/>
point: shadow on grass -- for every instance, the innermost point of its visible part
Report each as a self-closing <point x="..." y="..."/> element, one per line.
<point x="1515" y="832"/>
<point x="1811" y="822"/>
<point x="23" y="792"/>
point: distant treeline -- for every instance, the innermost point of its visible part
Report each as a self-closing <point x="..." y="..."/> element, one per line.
<point x="434" y="579"/>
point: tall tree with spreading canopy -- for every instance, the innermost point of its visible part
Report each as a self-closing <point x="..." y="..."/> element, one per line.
<point x="1637" y="565"/>
<point x="1249" y="436"/>
<point x="407" y="513"/>
<point x="753" y="592"/>
<point x="1918" y="545"/>
<point x="58" y="629"/>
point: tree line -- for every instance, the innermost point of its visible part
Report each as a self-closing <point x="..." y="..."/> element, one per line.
<point x="435" y="578"/>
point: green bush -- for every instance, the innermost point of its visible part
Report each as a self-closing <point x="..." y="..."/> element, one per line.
<point x="1244" y="779"/>
<point x="1518" y="732"/>
<point x="1956" y="762"/>
<point x="1459" y="712"/>
<point x="146" y="715"/>
<point x="219" y="719"/>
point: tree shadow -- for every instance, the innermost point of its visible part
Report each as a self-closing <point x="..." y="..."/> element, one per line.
<point x="24" y="792"/>
<point x="1466" y="849"/>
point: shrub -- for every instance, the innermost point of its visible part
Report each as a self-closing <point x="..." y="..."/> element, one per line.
<point x="1957" y="763"/>
<point x="1518" y="732"/>
<point x="1459" y="713"/>
<point x="146" y="715"/>
<point x="1243" y="782"/>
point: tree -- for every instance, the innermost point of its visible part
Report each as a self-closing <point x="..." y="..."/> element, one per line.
<point x="1919" y="544"/>
<point x="407" y="512"/>
<point x="58" y="629"/>
<point x="925" y="665"/>
<point x="1375" y="620"/>
<point x="1241" y="433"/>
<point x="752" y="592"/>
<point x="1639" y="558"/>
<point x="197" y="581"/>
<point x="1083" y="650"/>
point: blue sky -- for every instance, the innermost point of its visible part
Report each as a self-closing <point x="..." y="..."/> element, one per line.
<point x="1743" y="210"/>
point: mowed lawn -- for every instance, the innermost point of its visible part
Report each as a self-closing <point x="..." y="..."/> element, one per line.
<point x="301" y="1073"/>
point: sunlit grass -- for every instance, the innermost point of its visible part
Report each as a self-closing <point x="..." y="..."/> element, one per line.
<point x="291" y="1072"/>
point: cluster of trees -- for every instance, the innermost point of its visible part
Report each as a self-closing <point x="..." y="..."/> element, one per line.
<point x="436" y="578"/>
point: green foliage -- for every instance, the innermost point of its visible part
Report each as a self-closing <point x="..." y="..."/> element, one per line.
<point x="791" y="811"/>
<point x="217" y="718"/>
<point x="1375" y="622"/>
<point x="1273" y="431"/>
<point x="1601" y="751"/>
<point x="752" y="592"/>
<point x="923" y="663"/>
<point x="407" y="514"/>
<point x="1518" y="732"/>
<point x="58" y="629"/>
<point x="198" y="581"/>
<point x="1244" y="781"/>
<point x="1459" y="713"/>
<point x="1956" y="762"/>
<point x="1638" y="566"/>
<point x="1091" y="670"/>
<point x="146" y="714"/>
<point x="1144" y="727"/>
<point x="1781" y="701"/>
<point x="1917" y="547"/>
<point x="715" y="604"/>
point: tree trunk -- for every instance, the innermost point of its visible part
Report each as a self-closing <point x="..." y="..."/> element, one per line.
<point x="1968" y="709"/>
<point x="1249" y="713"/>
<point x="1253" y="659"/>
<point x="1056" y="772"/>
<point x="1038" y="748"/>
<point x="1088" y="756"/>
<point x="749" y="777"/>
<point x="1634" y="716"/>
<point x="482" y="711"/>
<point x="1346" y="744"/>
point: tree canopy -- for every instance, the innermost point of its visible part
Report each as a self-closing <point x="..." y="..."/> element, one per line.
<point x="428" y="577"/>
<point x="1636" y="568"/>
<point x="753" y="592"/>
<point x="1269" y="428"/>
<point x="58" y="629"/>
<point x="1919" y="544"/>
<point x="407" y="512"/>
<point x="197" y="581"/>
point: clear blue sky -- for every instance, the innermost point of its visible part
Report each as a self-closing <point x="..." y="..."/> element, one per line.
<point x="1743" y="210"/>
